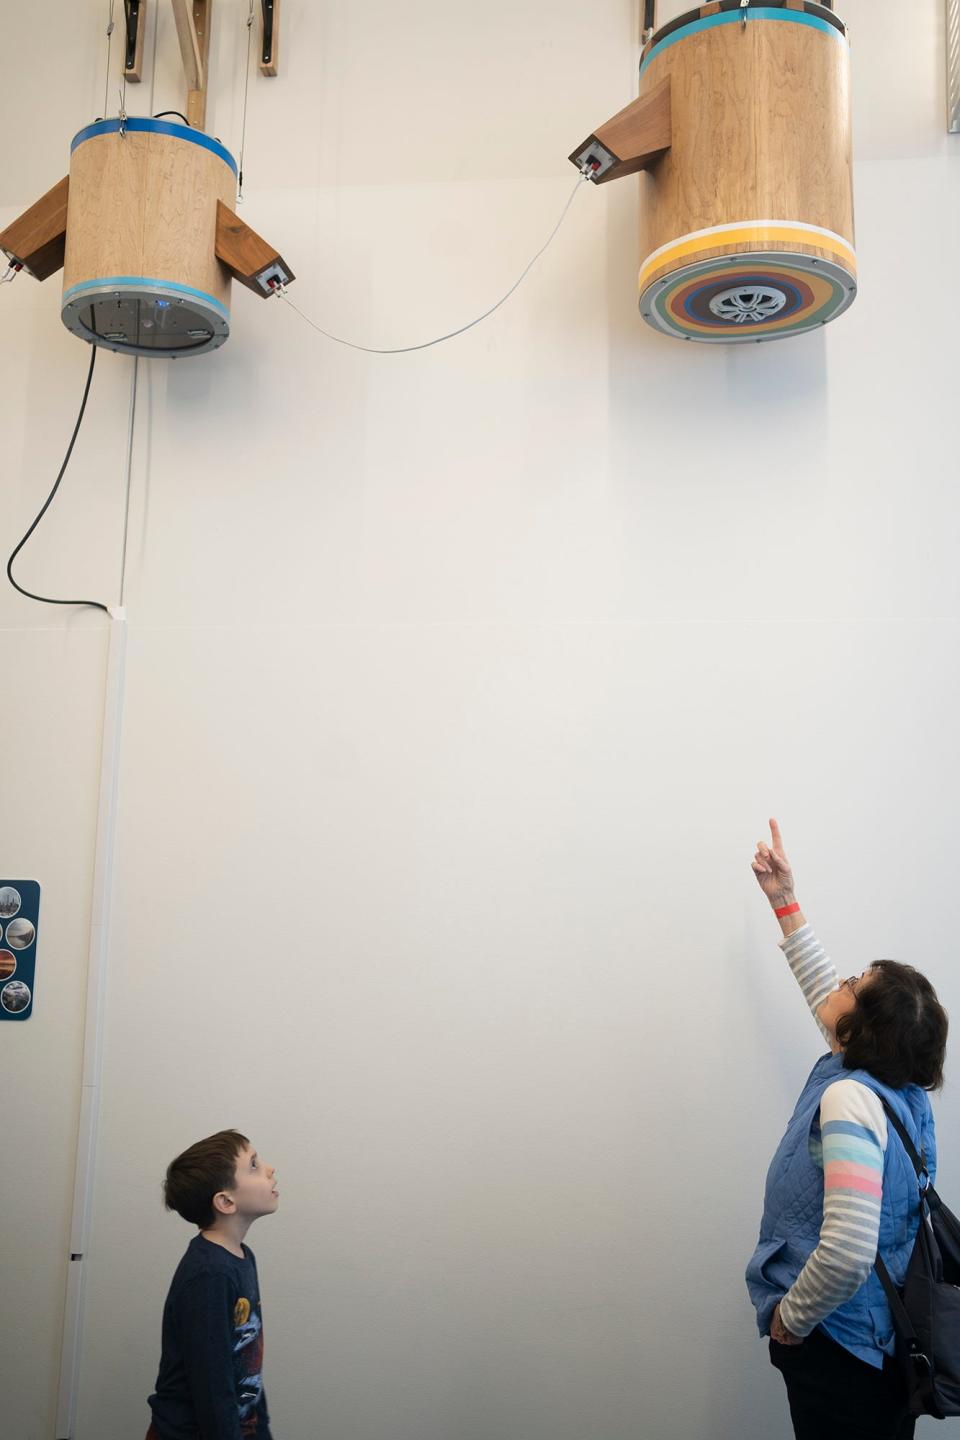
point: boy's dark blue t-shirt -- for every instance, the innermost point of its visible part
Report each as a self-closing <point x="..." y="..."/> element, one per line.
<point x="210" y="1385"/>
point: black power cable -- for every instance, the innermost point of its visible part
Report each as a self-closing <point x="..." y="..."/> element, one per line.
<point x="45" y="599"/>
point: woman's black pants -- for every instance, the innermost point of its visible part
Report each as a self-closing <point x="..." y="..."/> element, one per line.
<point x="835" y="1396"/>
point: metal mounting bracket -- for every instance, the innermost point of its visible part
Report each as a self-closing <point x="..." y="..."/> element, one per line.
<point x="136" y="15"/>
<point x="270" y="37"/>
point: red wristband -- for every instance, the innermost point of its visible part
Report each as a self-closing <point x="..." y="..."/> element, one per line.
<point x="787" y="910"/>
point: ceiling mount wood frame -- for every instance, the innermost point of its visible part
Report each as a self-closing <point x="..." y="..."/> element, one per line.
<point x="193" y="19"/>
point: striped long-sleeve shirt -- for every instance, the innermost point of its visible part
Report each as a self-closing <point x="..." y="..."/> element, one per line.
<point x="849" y="1143"/>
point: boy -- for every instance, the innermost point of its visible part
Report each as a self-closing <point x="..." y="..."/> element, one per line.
<point x="210" y="1384"/>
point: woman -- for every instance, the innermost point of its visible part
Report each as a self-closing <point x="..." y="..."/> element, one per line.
<point x="841" y="1186"/>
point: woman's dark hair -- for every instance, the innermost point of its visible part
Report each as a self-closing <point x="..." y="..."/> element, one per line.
<point x="200" y="1172"/>
<point x="897" y="1030"/>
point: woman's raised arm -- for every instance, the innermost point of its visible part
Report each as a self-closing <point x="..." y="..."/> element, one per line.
<point x="812" y="967"/>
<point x="775" y="878"/>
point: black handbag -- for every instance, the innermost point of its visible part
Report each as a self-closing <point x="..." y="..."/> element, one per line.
<point x="926" y="1309"/>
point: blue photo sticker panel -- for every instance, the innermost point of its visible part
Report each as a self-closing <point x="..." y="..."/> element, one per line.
<point x="19" y="927"/>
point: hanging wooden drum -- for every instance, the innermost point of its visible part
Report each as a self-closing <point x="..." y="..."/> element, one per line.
<point x="140" y="271"/>
<point x="747" y="220"/>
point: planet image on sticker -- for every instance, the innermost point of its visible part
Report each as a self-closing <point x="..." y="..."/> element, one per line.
<point x="9" y="901"/>
<point x="15" y="996"/>
<point x="20" y="934"/>
<point x="8" y="963"/>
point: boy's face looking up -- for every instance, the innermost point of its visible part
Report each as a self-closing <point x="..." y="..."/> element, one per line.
<point x="254" y="1191"/>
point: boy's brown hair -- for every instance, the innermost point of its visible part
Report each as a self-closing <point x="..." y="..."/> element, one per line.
<point x="199" y="1173"/>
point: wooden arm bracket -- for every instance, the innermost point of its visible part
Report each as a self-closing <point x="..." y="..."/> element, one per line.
<point x="270" y="36"/>
<point x="37" y="238"/>
<point x="193" y="19"/>
<point x="248" y="257"/>
<point x="189" y="43"/>
<point x="136" y="15"/>
<point x="634" y="139"/>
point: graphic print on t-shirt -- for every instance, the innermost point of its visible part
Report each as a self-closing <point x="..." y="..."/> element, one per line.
<point x="248" y="1343"/>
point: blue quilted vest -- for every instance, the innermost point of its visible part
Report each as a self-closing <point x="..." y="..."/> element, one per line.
<point x="793" y="1212"/>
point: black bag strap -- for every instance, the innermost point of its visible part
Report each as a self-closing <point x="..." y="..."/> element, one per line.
<point x="919" y="1162"/>
<point x="902" y="1322"/>
<point x="918" y="1365"/>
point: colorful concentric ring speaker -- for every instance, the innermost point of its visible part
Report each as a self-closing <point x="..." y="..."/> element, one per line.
<point x="746" y="296"/>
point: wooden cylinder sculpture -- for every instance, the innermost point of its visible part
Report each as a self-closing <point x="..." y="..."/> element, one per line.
<point x="140" y="271"/>
<point x="746" y="229"/>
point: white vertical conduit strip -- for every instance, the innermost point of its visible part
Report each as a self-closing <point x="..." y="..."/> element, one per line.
<point x="953" y="66"/>
<point x="93" y="1026"/>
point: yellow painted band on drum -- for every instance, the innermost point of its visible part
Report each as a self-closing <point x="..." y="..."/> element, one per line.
<point x="821" y="288"/>
<point x="760" y="233"/>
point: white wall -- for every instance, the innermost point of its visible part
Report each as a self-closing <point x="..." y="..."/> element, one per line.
<point x="459" y="687"/>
